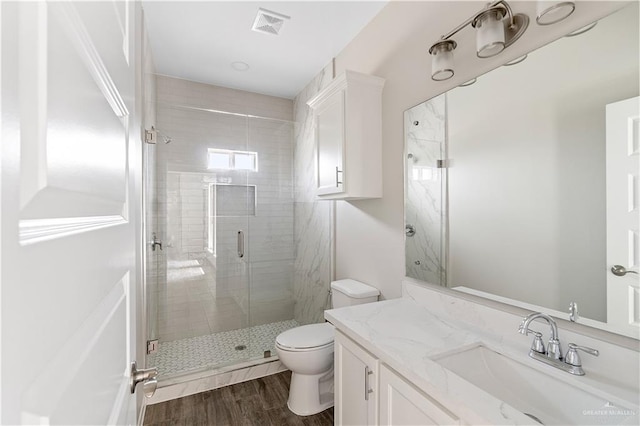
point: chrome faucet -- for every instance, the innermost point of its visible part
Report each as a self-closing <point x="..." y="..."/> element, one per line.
<point x="553" y="347"/>
<point x="553" y="354"/>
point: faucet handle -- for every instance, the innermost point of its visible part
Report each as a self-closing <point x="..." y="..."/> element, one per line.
<point x="573" y="358"/>
<point x="537" y="344"/>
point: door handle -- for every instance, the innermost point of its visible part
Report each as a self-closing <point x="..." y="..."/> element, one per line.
<point x="338" y="181"/>
<point x="240" y="244"/>
<point x="620" y="271"/>
<point x="367" y="389"/>
<point x="148" y="377"/>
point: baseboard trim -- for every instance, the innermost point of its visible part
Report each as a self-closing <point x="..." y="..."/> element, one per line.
<point x="205" y="382"/>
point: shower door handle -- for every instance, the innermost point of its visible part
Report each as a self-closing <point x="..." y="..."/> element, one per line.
<point x="240" y="244"/>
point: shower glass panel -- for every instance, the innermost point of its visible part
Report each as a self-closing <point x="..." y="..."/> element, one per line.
<point x="271" y="253"/>
<point x="152" y="252"/>
<point x="225" y="217"/>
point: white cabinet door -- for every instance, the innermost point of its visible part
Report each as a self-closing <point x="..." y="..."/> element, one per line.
<point x="356" y="375"/>
<point x="402" y="404"/>
<point x="348" y="126"/>
<point x="70" y="217"/>
<point x="330" y="137"/>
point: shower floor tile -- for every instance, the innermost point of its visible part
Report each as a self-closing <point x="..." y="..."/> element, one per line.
<point x="217" y="349"/>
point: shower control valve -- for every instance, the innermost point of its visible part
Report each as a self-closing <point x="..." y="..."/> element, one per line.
<point x="155" y="242"/>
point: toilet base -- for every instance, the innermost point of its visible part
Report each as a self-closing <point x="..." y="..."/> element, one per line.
<point x="310" y="394"/>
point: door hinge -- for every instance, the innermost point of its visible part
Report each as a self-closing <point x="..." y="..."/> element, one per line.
<point x="150" y="136"/>
<point x="442" y="164"/>
<point x="152" y="346"/>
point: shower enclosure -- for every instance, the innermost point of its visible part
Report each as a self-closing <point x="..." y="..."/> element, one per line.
<point x="219" y="201"/>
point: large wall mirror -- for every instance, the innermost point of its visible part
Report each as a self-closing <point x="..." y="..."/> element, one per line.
<point x="523" y="187"/>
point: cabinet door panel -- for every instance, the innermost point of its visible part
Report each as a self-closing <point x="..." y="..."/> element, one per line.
<point x="330" y="137"/>
<point x="402" y="404"/>
<point x="354" y="406"/>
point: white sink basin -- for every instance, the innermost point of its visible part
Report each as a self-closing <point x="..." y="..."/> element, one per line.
<point x="542" y="397"/>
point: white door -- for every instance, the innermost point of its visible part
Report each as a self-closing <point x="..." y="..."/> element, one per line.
<point x="70" y="221"/>
<point x="623" y="166"/>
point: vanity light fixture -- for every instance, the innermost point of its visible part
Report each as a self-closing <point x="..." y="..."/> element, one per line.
<point x="442" y="62"/>
<point x="550" y="12"/>
<point x="490" y="32"/>
<point x="497" y="28"/>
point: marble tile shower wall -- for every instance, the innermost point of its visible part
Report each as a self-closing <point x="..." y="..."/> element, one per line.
<point x="312" y="268"/>
<point x="425" y="127"/>
<point x="203" y="294"/>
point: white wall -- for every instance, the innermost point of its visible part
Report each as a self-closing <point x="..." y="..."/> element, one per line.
<point x="394" y="45"/>
<point x="527" y="189"/>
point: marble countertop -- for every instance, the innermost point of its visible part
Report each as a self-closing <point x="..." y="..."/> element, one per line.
<point x="406" y="336"/>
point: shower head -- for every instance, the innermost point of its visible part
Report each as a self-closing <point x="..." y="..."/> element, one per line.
<point x="166" y="139"/>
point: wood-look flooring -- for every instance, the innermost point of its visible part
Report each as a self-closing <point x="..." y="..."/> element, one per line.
<point x="257" y="402"/>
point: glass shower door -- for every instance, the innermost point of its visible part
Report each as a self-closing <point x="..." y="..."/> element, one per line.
<point x="204" y="204"/>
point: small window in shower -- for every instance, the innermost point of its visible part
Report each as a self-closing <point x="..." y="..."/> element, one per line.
<point x="224" y="159"/>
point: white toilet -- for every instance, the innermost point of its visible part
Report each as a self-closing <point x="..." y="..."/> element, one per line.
<point x="308" y="352"/>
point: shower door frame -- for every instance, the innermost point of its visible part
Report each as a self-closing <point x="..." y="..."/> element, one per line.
<point x="211" y="370"/>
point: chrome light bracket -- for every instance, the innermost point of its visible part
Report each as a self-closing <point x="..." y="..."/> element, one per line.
<point x="514" y="30"/>
<point x="501" y="10"/>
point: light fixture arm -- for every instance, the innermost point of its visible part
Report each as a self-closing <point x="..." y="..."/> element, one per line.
<point x="489" y="6"/>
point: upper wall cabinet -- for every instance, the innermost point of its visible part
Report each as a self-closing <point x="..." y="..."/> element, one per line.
<point x="348" y="127"/>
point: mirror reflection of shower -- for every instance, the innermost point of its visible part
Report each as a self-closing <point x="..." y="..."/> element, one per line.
<point x="425" y="178"/>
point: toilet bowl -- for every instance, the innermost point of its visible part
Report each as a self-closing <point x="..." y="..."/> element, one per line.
<point x="308" y="352"/>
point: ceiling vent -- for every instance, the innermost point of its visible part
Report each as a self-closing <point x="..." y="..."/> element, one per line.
<point x="268" y="22"/>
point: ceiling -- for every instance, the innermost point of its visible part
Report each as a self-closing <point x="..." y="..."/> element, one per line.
<point x="199" y="41"/>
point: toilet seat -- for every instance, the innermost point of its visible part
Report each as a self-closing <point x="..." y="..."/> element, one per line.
<point x="306" y="338"/>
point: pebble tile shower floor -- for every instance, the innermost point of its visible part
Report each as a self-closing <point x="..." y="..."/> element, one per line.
<point x="185" y="355"/>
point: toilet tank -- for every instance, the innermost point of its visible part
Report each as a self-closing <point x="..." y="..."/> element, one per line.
<point x="350" y="292"/>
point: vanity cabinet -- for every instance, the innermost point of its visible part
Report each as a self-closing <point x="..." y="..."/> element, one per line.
<point x="355" y="385"/>
<point x="403" y="404"/>
<point x="370" y="393"/>
<point x="348" y="132"/>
